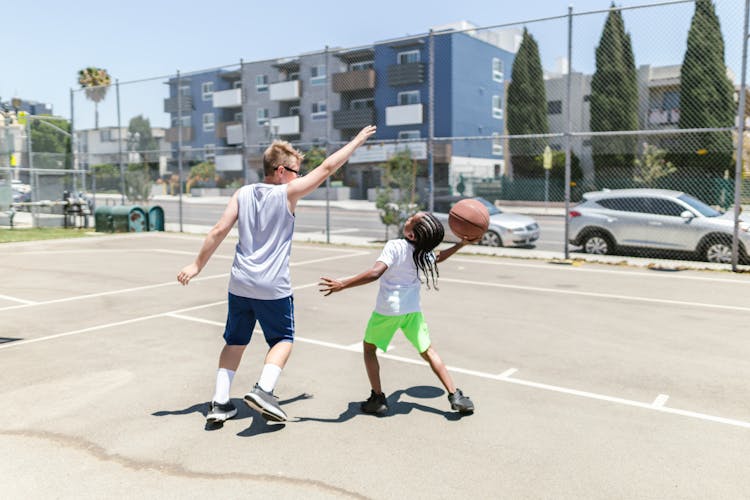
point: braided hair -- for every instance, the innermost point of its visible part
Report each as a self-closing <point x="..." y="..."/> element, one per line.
<point x="428" y="233"/>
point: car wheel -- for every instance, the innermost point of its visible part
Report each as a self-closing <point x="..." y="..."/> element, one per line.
<point x="719" y="251"/>
<point x="491" y="239"/>
<point x="598" y="244"/>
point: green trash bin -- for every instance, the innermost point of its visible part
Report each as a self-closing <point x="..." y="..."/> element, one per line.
<point x="129" y="219"/>
<point x="156" y="218"/>
<point x="103" y="220"/>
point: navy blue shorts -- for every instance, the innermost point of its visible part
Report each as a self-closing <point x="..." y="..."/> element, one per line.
<point x="276" y="318"/>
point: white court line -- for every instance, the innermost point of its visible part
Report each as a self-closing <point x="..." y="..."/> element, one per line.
<point x="657" y="405"/>
<point x="599" y="295"/>
<point x="578" y="269"/>
<point x="14" y="299"/>
<point x="660" y="400"/>
<point x="168" y="283"/>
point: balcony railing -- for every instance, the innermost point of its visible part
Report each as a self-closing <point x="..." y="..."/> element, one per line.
<point x="410" y="114"/>
<point x="221" y="129"/>
<point x="285" y="91"/>
<point x="405" y="74"/>
<point x="285" y="125"/>
<point x="172" y="134"/>
<point x="353" y="118"/>
<point x="663" y="116"/>
<point x="231" y="98"/>
<point x="186" y="102"/>
<point x="354" y="80"/>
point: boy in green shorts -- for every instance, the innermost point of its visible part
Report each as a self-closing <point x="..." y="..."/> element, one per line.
<point x="398" y="304"/>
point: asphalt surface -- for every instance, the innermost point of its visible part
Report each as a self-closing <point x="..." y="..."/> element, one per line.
<point x="590" y="380"/>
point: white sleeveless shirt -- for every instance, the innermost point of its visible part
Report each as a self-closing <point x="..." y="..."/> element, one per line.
<point x="261" y="261"/>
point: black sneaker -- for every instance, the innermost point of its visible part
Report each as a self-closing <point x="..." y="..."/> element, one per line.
<point x="265" y="403"/>
<point x="376" y="404"/>
<point x="460" y="402"/>
<point x="220" y="412"/>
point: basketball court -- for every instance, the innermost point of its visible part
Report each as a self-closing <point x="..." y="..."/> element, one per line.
<point x="589" y="381"/>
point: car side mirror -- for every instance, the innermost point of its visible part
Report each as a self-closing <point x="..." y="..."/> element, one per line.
<point x="687" y="215"/>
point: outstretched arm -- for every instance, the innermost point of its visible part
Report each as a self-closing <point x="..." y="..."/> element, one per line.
<point x="330" y="285"/>
<point x="214" y="238"/>
<point x="444" y="254"/>
<point x="302" y="186"/>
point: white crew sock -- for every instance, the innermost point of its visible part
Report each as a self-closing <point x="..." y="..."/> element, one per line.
<point x="268" y="377"/>
<point x="223" y="384"/>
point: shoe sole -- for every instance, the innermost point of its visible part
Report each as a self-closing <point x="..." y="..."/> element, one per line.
<point x="379" y="411"/>
<point x="264" y="412"/>
<point x="213" y="419"/>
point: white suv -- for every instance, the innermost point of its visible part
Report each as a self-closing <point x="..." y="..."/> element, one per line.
<point x="607" y="221"/>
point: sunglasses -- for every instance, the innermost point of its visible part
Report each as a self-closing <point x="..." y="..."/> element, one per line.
<point x="297" y="172"/>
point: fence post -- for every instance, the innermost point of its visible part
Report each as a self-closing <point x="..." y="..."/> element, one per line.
<point x="179" y="143"/>
<point x="740" y="144"/>
<point x="119" y="144"/>
<point x="568" y="127"/>
<point x="431" y="124"/>
<point x="328" y="141"/>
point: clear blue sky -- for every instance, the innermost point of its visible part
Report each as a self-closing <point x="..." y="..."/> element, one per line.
<point x="46" y="42"/>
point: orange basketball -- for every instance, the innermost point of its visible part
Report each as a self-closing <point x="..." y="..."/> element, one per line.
<point x="469" y="219"/>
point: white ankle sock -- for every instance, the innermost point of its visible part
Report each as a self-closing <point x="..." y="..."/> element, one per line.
<point x="268" y="377"/>
<point x="223" y="384"/>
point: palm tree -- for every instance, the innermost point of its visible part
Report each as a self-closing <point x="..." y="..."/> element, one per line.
<point x="96" y="81"/>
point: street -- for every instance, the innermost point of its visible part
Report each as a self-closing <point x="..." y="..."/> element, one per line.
<point x="363" y="223"/>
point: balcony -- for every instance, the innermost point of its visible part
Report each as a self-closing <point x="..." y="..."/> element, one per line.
<point x="353" y="118"/>
<point x="172" y="134"/>
<point x="231" y="98"/>
<point x="235" y="134"/>
<point x="354" y="80"/>
<point x="228" y="163"/>
<point x="285" y="125"/>
<point x="186" y="102"/>
<point x="406" y="74"/>
<point x="221" y="129"/>
<point x="410" y="114"/>
<point x="285" y="91"/>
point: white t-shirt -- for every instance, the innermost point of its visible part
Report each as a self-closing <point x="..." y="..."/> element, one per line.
<point x="399" y="284"/>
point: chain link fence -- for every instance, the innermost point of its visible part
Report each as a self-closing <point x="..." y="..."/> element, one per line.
<point x="531" y="116"/>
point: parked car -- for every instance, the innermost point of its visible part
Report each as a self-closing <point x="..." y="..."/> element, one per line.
<point x="607" y="222"/>
<point x="506" y="229"/>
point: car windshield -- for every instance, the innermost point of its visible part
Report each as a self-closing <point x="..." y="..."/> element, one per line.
<point x="490" y="207"/>
<point x="698" y="205"/>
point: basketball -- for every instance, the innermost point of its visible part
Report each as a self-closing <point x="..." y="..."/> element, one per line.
<point x="469" y="219"/>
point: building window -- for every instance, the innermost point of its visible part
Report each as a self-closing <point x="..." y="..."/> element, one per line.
<point x="497" y="144"/>
<point x="238" y="117"/>
<point x="184" y="118"/>
<point x="409" y="134"/>
<point x="185" y="90"/>
<point x="208" y="122"/>
<point x="367" y="103"/>
<point x="318" y="110"/>
<point x="554" y="107"/>
<point x="406" y="98"/>
<point x="209" y="152"/>
<point x="408" y="57"/>
<point x="261" y="83"/>
<point x="497" y="69"/>
<point x="237" y="84"/>
<point x="106" y="135"/>
<point x="207" y="90"/>
<point x="497" y="107"/>
<point x="359" y="66"/>
<point x="294" y="110"/>
<point x="262" y="116"/>
<point x="290" y="77"/>
<point x="587" y="98"/>
<point x="318" y="75"/>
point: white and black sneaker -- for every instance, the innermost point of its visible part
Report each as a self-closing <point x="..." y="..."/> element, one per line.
<point x="220" y="412"/>
<point x="266" y="404"/>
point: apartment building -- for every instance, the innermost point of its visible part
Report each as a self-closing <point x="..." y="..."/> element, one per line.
<point x="327" y="96"/>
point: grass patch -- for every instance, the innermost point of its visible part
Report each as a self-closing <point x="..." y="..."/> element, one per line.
<point x="40" y="233"/>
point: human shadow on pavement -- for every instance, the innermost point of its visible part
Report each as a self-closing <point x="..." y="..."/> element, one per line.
<point x="260" y="425"/>
<point x="395" y="406"/>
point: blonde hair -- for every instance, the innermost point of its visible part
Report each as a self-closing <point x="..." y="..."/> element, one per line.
<point x="280" y="153"/>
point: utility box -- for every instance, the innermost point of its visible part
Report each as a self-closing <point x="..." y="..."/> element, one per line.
<point x="129" y="219"/>
<point x="156" y="218"/>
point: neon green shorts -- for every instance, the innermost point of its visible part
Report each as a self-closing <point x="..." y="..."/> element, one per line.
<point x="381" y="328"/>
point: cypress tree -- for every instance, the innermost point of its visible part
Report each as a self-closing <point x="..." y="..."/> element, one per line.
<point x="614" y="99"/>
<point x="706" y="97"/>
<point x="527" y="107"/>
